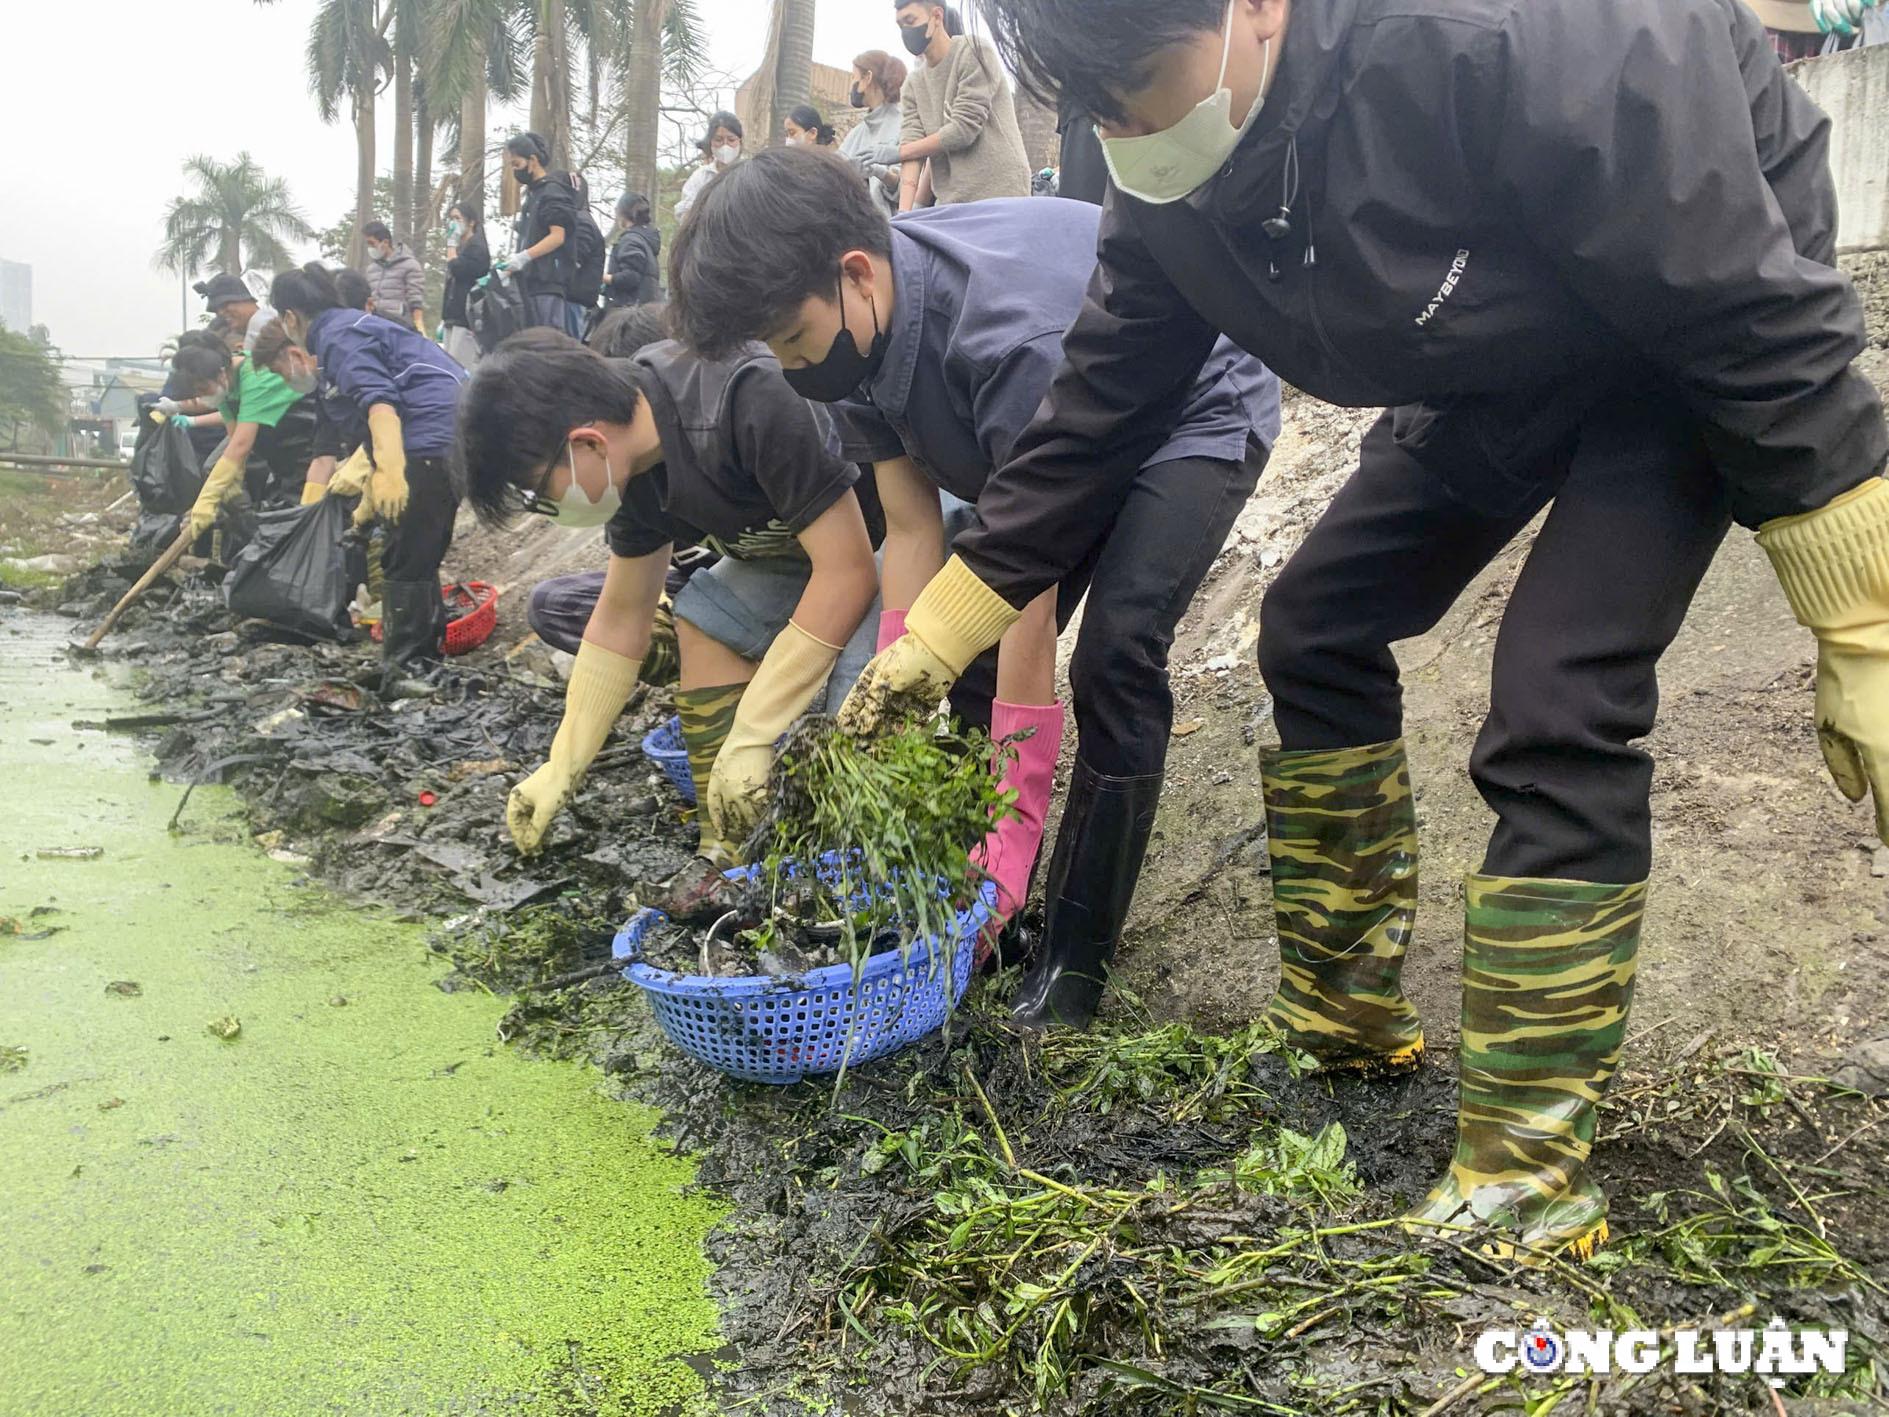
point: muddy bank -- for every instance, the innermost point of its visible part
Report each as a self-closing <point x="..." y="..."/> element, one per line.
<point x="256" y="1162"/>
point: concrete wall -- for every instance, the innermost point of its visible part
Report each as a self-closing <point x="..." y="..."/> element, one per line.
<point x="1853" y="88"/>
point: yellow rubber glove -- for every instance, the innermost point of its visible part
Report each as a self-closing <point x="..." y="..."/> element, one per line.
<point x="223" y="480"/>
<point x="795" y="667"/>
<point x="955" y="620"/>
<point x="389" y="486"/>
<point x="313" y="492"/>
<point x="601" y="681"/>
<point x="1834" y="566"/>
<point x="350" y="479"/>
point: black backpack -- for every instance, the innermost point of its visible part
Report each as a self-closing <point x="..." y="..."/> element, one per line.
<point x="495" y="309"/>
<point x="587" y="260"/>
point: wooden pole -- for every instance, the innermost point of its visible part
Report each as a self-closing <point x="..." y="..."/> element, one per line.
<point x="158" y="568"/>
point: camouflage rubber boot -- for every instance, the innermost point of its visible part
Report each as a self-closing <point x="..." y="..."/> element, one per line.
<point x="1342" y="833"/>
<point x="708" y="716"/>
<point x="1547" y="982"/>
<point x="662" y="663"/>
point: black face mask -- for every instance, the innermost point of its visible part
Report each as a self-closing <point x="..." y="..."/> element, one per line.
<point x="522" y="174"/>
<point x="856" y="98"/>
<point x="844" y="368"/>
<point x="917" y="39"/>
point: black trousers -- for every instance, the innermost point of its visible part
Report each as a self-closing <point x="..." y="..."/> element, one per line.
<point x="1638" y="515"/>
<point x="417" y="544"/>
<point x="1139" y="580"/>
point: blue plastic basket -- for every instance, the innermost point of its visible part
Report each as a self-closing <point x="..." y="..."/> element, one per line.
<point x="663" y="745"/>
<point x="779" y="1030"/>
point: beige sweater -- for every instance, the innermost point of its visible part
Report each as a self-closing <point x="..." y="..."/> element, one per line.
<point x="967" y="102"/>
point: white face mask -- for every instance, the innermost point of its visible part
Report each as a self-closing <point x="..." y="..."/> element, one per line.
<point x="726" y="154"/>
<point x="1165" y="166"/>
<point x="304" y="383"/>
<point x="576" y="508"/>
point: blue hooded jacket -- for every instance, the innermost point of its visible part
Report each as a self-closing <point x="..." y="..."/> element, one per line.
<point x="373" y="360"/>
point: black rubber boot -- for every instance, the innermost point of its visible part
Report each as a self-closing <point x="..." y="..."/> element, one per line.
<point x="1099" y="847"/>
<point x="412" y="629"/>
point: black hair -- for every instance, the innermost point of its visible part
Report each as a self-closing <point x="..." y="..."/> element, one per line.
<point x="517" y="408"/>
<point x="1092" y="51"/>
<point x="723" y="119"/>
<point x="468" y="208"/>
<point x="807" y="117"/>
<point x="633" y="207"/>
<point x="377" y="231"/>
<point x="624" y="331"/>
<point x="954" y="22"/>
<point x="353" y="289"/>
<point x="200" y="360"/>
<point x="529" y="145"/>
<point x="763" y="237"/>
<point x="307" y="292"/>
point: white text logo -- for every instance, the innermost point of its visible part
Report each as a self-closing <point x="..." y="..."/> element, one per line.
<point x="1773" y="1352"/>
<point x="1448" y="286"/>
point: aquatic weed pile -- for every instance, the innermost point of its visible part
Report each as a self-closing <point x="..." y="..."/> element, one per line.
<point x="892" y="819"/>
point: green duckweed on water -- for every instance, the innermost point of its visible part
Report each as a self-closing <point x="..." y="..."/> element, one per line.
<point x="359" y="1203"/>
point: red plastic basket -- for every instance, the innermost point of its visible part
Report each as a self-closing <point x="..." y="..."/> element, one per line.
<point x="474" y="627"/>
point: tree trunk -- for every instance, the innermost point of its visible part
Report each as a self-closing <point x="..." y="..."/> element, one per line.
<point x="423" y="213"/>
<point x="472" y="139"/>
<point x="793" y="64"/>
<point x="229" y="251"/>
<point x="402" y="222"/>
<point x="363" y="174"/>
<point x="642" y="98"/>
<point x="551" y="83"/>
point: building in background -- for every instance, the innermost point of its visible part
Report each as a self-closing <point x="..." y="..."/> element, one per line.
<point x="16" y="296"/>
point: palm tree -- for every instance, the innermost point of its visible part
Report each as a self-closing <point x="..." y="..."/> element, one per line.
<point x="472" y="52"/>
<point x="664" y="41"/>
<point x="236" y="210"/>
<point x="793" y="61"/>
<point x="347" y="54"/>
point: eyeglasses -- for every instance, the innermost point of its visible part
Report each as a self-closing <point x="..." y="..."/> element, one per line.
<point x="533" y="503"/>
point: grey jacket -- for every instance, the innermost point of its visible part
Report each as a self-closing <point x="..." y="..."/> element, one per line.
<point x="967" y="102"/>
<point x="872" y="146"/>
<point x="398" y="284"/>
<point x="1503" y="211"/>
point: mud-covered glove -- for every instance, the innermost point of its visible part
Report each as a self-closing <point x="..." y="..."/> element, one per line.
<point x="795" y="668"/>
<point x="1834" y="566"/>
<point x="956" y="619"/>
<point x="387" y="489"/>
<point x="601" y="682"/>
<point x="223" y="480"/>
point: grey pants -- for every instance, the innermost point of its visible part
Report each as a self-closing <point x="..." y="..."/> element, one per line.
<point x="741" y="604"/>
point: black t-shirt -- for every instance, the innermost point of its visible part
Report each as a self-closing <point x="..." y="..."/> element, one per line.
<point x="747" y="463"/>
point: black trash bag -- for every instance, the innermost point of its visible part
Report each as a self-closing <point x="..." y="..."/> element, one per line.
<point x="495" y="309"/>
<point x="299" y="570"/>
<point x="166" y="472"/>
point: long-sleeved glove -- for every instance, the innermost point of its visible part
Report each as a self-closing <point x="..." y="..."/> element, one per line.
<point x="388" y="487"/>
<point x="790" y="675"/>
<point x="1834" y="566"/>
<point x="350" y="479"/>
<point x="217" y="487"/>
<point x="956" y="619"/>
<point x="601" y="683"/>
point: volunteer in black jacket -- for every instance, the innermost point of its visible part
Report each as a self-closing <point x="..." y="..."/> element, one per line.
<point x="468" y="260"/>
<point x="635" y="274"/>
<point x="546" y="229"/>
<point x="1584" y="247"/>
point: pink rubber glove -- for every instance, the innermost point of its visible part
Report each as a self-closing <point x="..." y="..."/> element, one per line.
<point x="1010" y="850"/>
<point x="891" y="626"/>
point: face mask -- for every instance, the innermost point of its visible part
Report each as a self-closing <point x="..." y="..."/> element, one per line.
<point x="855" y="97"/>
<point x="844" y="368"/>
<point x="790" y="142"/>
<point x="522" y="176"/>
<point x="303" y="383"/>
<point x="1165" y="166"/>
<point x="917" y="38"/>
<point x="575" y="507"/>
<point x="452" y="233"/>
<point x="726" y="154"/>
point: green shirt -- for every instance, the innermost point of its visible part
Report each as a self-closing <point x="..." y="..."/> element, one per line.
<point x="261" y="396"/>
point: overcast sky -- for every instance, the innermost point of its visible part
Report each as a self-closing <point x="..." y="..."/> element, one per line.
<point x="124" y="90"/>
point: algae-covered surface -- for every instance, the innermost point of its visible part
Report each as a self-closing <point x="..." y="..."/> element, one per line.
<point x="358" y="1202"/>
